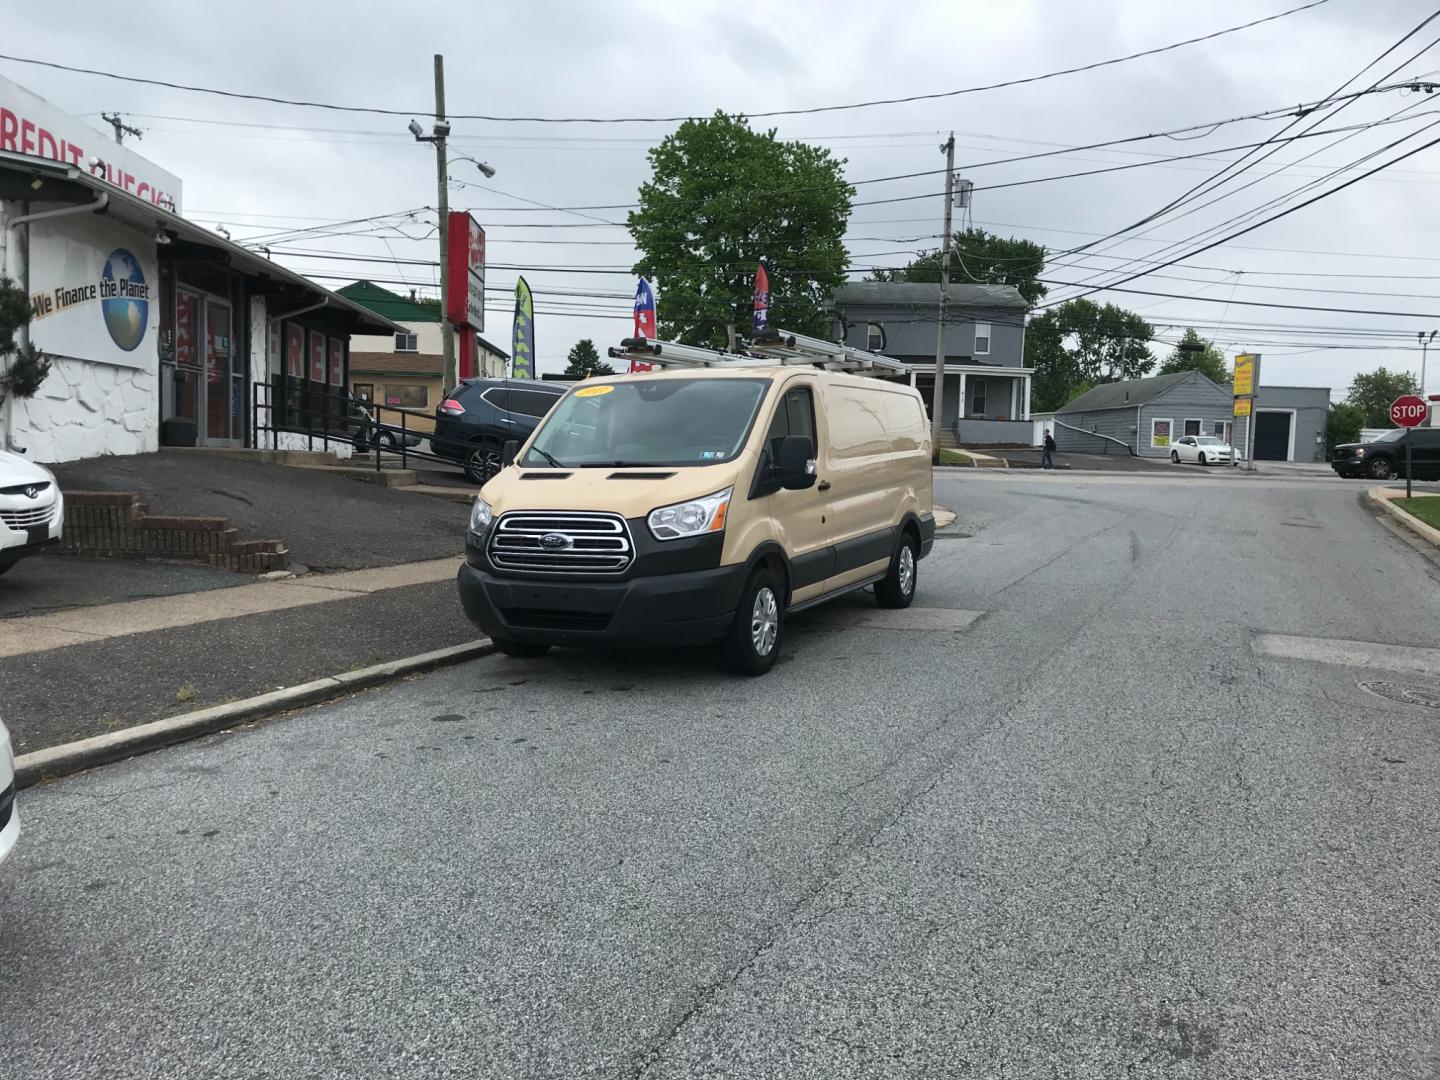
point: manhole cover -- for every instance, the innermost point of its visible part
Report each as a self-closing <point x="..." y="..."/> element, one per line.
<point x="1406" y="695"/>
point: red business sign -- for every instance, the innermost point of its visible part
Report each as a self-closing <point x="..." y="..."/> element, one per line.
<point x="1408" y="411"/>
<point x="465" y="276"/>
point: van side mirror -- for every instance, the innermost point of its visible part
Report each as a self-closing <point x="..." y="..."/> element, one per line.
<point x="508" y="452"/>
<point x="795" y="463"/>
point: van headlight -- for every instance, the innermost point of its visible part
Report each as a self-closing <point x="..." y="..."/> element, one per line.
<point x="693" y="518"/>
<point x="480" y="516"/>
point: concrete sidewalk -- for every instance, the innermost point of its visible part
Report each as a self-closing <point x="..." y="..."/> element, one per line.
<point x="83" y="672"/>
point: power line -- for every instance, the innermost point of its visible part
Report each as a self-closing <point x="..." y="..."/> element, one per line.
<point x="332" y="107"/>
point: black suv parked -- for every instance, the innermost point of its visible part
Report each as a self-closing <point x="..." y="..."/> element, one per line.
<point x="479" y="416"/>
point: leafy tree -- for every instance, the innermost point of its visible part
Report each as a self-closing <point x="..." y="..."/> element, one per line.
<point x="585" y="361"/>
<point x="1202" y="356"/>
<point x="1343" y="426"/>
<point x="1374" y="392"/>
<point x="978" y="257"/>
<point x="722" y="197"/>
<point x="22" y="367"/>
<point x="1083" y="343"/>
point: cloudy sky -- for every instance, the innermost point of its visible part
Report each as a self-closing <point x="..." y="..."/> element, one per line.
<point x="266" y="171"/>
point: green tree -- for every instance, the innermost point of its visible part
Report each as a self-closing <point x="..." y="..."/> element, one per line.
<point x="585" y="361"/>
<point x="1195" y="353"/>
<point x="1082" y="343"/>
<point x="22" y="367"/>
<point x="1374" y="392"/>
<point x="978" y="257"/>
<point x="721" y="198"/>
<point x="1343" y="426"/>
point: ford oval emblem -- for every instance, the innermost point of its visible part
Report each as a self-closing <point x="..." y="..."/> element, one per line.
<point x="554" y="541"/>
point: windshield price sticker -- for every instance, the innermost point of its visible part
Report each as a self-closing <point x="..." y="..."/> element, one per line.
<point x="594" y="391"/>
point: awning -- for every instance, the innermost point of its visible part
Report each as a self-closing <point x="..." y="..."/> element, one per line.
<point x="36" y="180"/>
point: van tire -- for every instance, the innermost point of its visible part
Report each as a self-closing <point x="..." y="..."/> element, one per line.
<point x="897" y="588"/>
<point x="759" y="618"/>
<point x="521" y="649"/>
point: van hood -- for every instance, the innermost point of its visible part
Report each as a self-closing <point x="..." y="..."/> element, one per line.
<point x="631" y="491"/>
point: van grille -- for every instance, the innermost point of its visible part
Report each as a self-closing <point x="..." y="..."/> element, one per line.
<point x="579" y="543"/>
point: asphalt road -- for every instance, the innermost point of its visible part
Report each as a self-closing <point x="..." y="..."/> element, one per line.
<point x="1083" y="816"/>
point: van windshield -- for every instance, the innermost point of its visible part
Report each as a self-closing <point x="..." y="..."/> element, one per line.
<point x="648" y="422"/>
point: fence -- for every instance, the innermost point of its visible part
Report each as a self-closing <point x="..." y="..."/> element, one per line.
<point x="288" y="414"/>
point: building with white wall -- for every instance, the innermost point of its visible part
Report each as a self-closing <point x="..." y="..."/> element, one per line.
<point x="159" y="332"/>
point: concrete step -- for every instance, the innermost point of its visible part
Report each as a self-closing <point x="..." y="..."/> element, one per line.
<point x="384" y="477"/>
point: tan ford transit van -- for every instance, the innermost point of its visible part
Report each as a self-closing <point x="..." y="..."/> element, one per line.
<point x="693" y="506"/>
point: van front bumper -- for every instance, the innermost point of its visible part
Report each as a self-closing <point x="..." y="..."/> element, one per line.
<point x="688" y="608"/>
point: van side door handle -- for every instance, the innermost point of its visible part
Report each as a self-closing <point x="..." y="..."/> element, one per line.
<point x="824" y="485"/>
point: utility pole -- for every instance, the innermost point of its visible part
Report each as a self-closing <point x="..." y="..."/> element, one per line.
<point x="442" y="181"/>
<point x="121" y="128"/>
<point x="1424" y="349"/>
<point x="937" y="396"/>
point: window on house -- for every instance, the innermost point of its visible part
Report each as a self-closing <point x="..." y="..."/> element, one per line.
<point x="982" y="339"/>
<point x="977" y="396"/>
<point x="875" y="338"/>
<point x="406" y="397"/>
<point x="1160" y="434"/>
<point x="407" y="342"/>
<point x="365" y="391"/>
<point x="1193" y="427"/>
<point x="1222" y="430"/>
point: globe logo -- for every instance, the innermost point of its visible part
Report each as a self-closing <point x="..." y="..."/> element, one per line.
<point x="124" y="299"/>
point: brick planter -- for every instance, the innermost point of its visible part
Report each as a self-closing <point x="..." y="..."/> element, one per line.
<point x="119" y="525"/>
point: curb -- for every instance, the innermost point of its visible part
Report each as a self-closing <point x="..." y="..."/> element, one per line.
<point x="1380" y="499"/>
<point x="57" y="761"/>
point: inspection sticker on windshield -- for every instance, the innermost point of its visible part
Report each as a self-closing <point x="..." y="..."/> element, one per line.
<point x="705" y="455"/>
<point x="594" y="391"/>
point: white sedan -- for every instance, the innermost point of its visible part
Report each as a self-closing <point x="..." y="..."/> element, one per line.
<point x="9" y="820"/>
<point x="1206" y="449"/>
<point x="32" y="509"/>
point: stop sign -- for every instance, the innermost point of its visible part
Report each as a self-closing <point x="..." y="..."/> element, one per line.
<point x="1408" y="411"/>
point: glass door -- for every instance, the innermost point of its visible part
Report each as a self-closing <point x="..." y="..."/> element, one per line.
<point x="224" y="391"/>
<point x="180" y="383"/>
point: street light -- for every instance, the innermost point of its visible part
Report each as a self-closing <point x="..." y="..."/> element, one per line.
<point x="487" y="171"/>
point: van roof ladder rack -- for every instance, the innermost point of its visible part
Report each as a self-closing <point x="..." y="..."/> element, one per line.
<point x="767" y="350"/>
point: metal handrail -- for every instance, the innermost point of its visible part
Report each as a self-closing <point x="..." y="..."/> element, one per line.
<point x="1095" y="435"/>
<point x="324" y="414"/>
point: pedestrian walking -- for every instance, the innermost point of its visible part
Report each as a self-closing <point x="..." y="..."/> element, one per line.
<point x="1046" y="460"/>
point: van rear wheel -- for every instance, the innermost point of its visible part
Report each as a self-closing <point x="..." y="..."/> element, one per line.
<point x="752" y="643"/>
<point x="897" y="588"/>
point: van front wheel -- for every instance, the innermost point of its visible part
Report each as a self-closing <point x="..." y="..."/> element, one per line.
<point x="752" y="643"/>
<point x="897" y="588"/>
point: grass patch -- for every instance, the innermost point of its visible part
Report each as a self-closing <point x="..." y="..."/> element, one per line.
<point x="1426" y="509"/>
<point x="955" y="457"/>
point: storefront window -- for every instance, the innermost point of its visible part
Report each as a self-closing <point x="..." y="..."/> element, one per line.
<point x="406" y="397"/>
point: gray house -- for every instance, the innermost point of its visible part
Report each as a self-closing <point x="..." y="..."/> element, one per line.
<point x="986" y="399"/>
<point x="1146" y="416"/>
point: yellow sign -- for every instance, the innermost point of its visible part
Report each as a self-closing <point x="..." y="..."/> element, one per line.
<point x="594" y="391"/>
<point x="1242" y="406"/>
<point x="1244" y="378"/>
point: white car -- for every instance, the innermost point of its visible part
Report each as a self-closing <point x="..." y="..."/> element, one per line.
<point x="1205" y="449"/>
<point x="9" y="819"/>
<point x="32" y="510"/>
